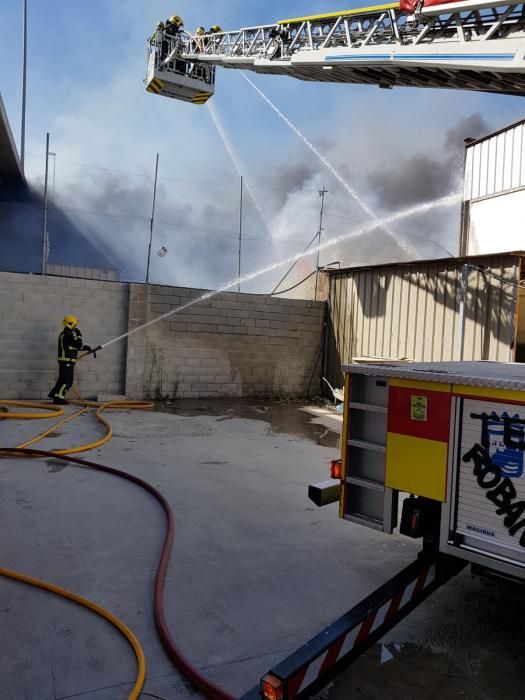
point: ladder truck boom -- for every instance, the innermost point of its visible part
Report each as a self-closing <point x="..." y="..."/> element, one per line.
<point x="464" y="45"/>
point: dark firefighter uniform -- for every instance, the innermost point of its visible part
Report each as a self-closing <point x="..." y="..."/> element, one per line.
<point x="69" y="343"/>
<point x="173" y="29"/>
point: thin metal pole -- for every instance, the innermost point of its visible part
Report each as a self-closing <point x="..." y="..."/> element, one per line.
<point x="24" y="81"/>
<point x="321" y="194"/>
<point x="152" y="217"/>
<point x="54" y="169"/>
<point x="460" y="338"/>
<point x="44" y="228"/>
<point x="240" y="239"/>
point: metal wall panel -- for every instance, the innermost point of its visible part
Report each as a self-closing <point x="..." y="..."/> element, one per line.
<point x="497" y="224"/>
<point x="495" y="164"/>
<point x="412" y="311"/>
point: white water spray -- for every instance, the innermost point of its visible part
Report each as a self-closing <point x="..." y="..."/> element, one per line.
<point x="364" y="206"/>
<point x="235" y="160"/>
<point x="364" y="228"/>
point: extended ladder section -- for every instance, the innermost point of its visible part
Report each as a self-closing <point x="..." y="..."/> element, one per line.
<point x="469" y="45"/>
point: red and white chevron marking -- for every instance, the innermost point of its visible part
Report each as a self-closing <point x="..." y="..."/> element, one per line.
<point x="316" y="668"/>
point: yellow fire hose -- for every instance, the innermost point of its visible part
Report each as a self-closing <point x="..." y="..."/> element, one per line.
<point x="53" y="412"/>
<point x="58" y="590"/>
<point x="50" y="411"/>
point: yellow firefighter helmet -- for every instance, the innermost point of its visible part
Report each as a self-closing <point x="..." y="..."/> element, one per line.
<point x="176" y="20"/>
<point x="70" y="321"/>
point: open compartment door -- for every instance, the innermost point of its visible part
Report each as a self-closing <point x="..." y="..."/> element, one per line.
<point x="364" y="497"/>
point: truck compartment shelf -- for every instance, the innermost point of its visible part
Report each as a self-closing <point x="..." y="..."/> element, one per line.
<point x="366" y="445"/>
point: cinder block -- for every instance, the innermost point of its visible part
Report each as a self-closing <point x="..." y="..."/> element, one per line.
<point x="202" y="328"/>
<point x="197" y="317"/>
<point x="198" y="387"/>
<point x="113" y="285"/>
<point x="231" y="388"/>
<point x="12" y="295"/>
<point x="182" y="291"/>
<point x="67" y="282"/>
<point x="178" y="326"/>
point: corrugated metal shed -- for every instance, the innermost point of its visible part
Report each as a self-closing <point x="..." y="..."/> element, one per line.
<point x="412" y="310"/>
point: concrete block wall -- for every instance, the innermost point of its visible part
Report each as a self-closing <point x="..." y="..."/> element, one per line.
<point x="31" y="312"/>
<point x="230" y="345"/>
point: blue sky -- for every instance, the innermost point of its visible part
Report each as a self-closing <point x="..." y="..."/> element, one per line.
<point x="86" y="66"/>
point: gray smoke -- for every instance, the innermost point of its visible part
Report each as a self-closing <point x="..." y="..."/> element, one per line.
<point x="21" y="234"/>
<point x="387" y="185"/>
<point x="419" y="178"/>
<point x="104" y="220"/>
<point x="114" y="213"/>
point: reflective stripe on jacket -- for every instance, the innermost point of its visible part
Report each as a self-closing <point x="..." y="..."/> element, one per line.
<point x="69" y="343"/>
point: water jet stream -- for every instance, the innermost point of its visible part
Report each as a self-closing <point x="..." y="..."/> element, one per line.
<point x="364" y="206"/>
<point x="364" y="228"/>
<point x="236" y="162"/>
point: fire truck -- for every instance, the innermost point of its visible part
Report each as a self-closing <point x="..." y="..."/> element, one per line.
<point x="443" y="445"/>
<point x="433" y="450"/>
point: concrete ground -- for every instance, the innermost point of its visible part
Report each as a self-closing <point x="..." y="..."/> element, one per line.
<point x="256" y="568"/>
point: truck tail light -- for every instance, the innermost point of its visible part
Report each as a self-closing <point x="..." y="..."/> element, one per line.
<point x="272" y="688"/>
<point x="412" y="517"/>
<point x="335" y="469"/>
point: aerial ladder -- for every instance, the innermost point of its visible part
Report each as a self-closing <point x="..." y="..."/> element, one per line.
<point x="466" y="45"/>
<point x="442" y="442"/>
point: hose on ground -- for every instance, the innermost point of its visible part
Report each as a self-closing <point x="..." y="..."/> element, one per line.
<point x="50" y="411"/>
<point x="181" y="662"/>
<point x="53" y="412"/>
<point x="113" y="619"/>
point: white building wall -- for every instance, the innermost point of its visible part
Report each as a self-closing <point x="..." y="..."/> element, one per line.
<point x="494" y="193"/>
<point x="497" y="224"/>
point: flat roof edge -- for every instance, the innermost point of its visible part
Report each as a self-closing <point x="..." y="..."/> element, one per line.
<point x="478" y="373"/>
<point x="426" y="261"/>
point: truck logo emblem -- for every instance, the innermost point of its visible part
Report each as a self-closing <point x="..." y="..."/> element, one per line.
<point x="418" y="407"/>
<point x="497" y="460"/>
<point x="503" y="438"/>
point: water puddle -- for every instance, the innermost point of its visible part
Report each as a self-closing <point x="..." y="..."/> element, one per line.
<point x="282" y="418"/>
<point x="398" y="671"/>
